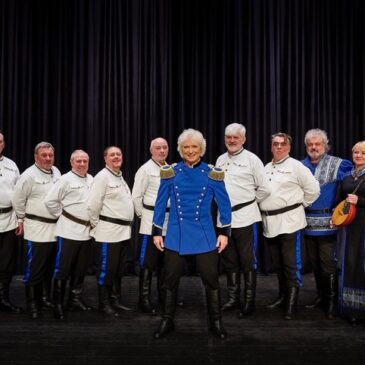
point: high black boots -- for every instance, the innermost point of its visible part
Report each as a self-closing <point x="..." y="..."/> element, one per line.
<point x="214" y="312"/>
<point x="331" y="293"/>
<point x="5" y="304"/>
<point x="59" y="287"/>
<point x="75" y="301"/>
<point x="168" y="313"/>
<point x="32" y="294"/>
<point x="248" y="306"/>
<point x="46" y="301"/>
<point x="291" y="302"/>
<point x="234" y="290"/>
<point x="116" y="296"/>
<point x="279" y="301"/>
<point x="317" y="301"/>
<point x="144" y="303"/>
<point x="104" y="301"/>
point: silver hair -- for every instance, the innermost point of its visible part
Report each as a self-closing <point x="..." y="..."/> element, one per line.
<point x="286" y="137"/>
<point x="74" y="153"/>
<point x="194" y="135"/>
<point x="316" y="132"/>
<point x="234" y="128"/>
<point x="42" y="145"/>
<point x="155" y="140"/>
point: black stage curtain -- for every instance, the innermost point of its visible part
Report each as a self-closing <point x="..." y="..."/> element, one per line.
<point x="86" y="74"/>
<point x="90" y="73"/>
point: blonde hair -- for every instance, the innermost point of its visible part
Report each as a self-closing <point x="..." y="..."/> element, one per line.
<point x="194" y="135"/>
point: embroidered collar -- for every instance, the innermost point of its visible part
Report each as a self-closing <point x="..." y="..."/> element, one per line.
<point x="158" y="164"/>
<point x="49" y="172"/>
<point x="83" y="177"/>
<point x="113" y="172"/>
<point x="236" y="153"/>
<point x="193" y="166"/>
<point x="281" y="161"/>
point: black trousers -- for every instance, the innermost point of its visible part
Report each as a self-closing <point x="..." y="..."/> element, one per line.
<point x="285" y="251"/>
<point x="73" y="258"/>
<point x="110" y="261"/>
<point x="40" y="258"/>
<point x="149" y="257"/>
<point x="7" y="255"/>
<point x="207" y="265"/>
<point x="321" y="251"/>
<point x="240" y="252"/>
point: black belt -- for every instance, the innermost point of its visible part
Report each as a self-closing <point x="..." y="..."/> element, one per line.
<point x="40" y="219"/>
<point x="318" y="211"/>
<point x="121" y="222"/>
<point x="240" y="206"/>
<point x="281" y="210"/>
<point x="6" y="210"/>
<point x="151" y="207"/>
<point x="75" y="219"/>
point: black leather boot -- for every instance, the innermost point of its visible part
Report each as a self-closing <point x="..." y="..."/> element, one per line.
<point x="279" y="301"/>
<point x="59" y="287"/>
<point x="248" y="306"/>
<point x="116" y="296"/>
<point x="317" y="301"/>
<point x="75" y="301"/>
<point x="234" y="290"/>
<point x="104" y="301"/>
<point x="291" y="302"/>
<point x="168" y="313"/>
<point x="5" y="304"/>
<point x="32" y="297"/>
<point x="144" y="303"/>
<point x="46" y="301"/>
<point x="331" y="294"/>
<point x="215" y="315"/>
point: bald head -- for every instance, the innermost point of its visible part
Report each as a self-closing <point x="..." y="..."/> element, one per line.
<point x="159" y="150"/>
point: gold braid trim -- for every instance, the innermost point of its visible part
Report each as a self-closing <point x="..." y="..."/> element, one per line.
<point x="216" y="173"/>
<point x="167" y="172"/>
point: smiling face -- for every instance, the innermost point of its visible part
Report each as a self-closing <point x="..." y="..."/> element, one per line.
<point x="114" y="158"/>
<point x="191" y="151"/>
<point x="159" y="150"/>
<point x="44" y="158"/>
<point x="234" y="142"/>
<point x="358" y="155"/>
<point x="80" y="163"/>
<point x="280" y="148"/>
<point x="316" y="148"/>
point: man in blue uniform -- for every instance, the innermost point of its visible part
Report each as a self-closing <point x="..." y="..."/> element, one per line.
<point x="320" y="238"/>
<point x="191" y="186"/>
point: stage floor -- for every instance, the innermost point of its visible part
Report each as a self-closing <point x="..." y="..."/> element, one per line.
<point x="264" y="338"/>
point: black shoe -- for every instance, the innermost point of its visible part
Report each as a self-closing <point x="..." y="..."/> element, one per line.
<point x="78" y="306"/>
<point x="278" y="302"/>
<point x="146" y="307"/>
<point x="166" y="326"/>
<point x="314" y="303"/>
<point x="58" y="312"/>
<point x="46" y="303"/>
<point x="246" y="309"/>
<point x="6" y="306"/>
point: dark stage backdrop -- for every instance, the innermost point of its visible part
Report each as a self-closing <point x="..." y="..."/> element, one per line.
<point x="86" y="74"/>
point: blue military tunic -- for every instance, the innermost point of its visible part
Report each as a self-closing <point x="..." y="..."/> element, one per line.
<point x="190" y="228"/>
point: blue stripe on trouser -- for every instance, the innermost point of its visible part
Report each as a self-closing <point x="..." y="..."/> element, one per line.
<point x="104" y="262"/>
<point x="28" y="268"/>
<point x="255" y="244"/>
<point x="143" y="249"/>
<point x="298" y="257"/>
<point x="58" y="256"/>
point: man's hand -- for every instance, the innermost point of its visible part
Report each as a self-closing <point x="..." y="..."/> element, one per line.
<point x="158" y="242"/>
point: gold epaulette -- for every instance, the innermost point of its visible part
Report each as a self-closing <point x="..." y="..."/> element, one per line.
<point x="216" y="173"/>
<point x="167" y="172"/>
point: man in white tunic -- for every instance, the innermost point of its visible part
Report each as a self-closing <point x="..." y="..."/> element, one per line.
<point x="39" y="226"/>
<point x="111" y="215"/>
<point x="9" y="174"/>
<point x="144" y="194"/>
<point x="245" y="183"/>
<point x="67" y="201"/>
<point x="293" y="188"/>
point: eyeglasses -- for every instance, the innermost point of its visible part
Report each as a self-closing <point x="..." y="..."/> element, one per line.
<point x="278" y="144"/>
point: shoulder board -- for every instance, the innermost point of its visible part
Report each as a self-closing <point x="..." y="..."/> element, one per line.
<point x="167" y="172"/>
<point x="216" y="173"/>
